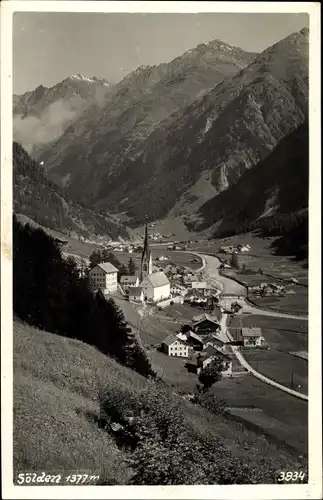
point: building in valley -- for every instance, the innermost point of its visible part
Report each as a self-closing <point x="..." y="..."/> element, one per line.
<point x="207" y="323"/>
<point x="136" y="294"/>
<point x="211" y="354"/>
<point x="252" y="337"/>
<point x="129" y="281"/>
<point x="155" y="285"/>
<point x="146" y="266"/>
<point x="174" y="346"/>
<point x="104" y="277"/>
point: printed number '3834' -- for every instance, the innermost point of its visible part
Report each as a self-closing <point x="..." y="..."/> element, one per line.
<point x="291" y="476"/>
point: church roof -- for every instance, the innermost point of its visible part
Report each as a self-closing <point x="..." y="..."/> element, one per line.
<point x="157" y="279"/>
<point x="146" y="249"/>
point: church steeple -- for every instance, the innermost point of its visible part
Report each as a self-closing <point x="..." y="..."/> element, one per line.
<point x="146" y="258"/>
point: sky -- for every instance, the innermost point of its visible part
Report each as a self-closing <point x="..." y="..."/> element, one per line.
<point x="49" y="46"/>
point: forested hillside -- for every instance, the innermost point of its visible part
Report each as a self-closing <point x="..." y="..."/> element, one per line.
<point x="39" y="198"/>
<point x="49" y="293"/>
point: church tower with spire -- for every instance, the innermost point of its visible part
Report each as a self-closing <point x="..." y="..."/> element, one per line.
<point x="146" y="258"/>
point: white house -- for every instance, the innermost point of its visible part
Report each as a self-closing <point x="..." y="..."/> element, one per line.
<point x="129" y="281"/>
<point x="178" y="290"/>
<point x="252" y="337"/>
<point x="174" y="346"/>
<point x="104" y="277"/>
<point x="136" y="294"/>
<point x="156" y="286"/>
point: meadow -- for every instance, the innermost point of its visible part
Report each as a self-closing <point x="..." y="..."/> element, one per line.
<point x="175" y="257"/>
<point x="57" y="382"/>
<point x="282" y="416"/>
<point x="284" y="336"/>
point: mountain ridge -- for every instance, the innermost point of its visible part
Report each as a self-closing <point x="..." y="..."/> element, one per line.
<point x="44" y="202"/>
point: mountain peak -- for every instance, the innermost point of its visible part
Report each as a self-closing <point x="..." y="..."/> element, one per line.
<point x="83" y="78"/>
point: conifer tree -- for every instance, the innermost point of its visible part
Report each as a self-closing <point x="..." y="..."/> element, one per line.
<point x="132" y="267"/>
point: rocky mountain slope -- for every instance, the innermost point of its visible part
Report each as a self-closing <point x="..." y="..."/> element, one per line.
<point x="98" y="143"/>
<point x="42" y="115"/>
<point x="218" y="138"/>
<point x="165" y="142"/>
<point x="37" y="197"/>
<point x="277" y="185"/>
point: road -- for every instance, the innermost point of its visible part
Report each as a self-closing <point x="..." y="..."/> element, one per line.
<point x="229" y="287"/>
<point x="131" y="314"/>
<point x="250" y="369"/>
<point x="237" y="291"/>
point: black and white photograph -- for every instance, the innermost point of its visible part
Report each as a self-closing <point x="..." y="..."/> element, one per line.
<point x="160" y="252"/>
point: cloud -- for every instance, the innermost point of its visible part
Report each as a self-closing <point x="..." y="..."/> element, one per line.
<point x="53" y="121"/>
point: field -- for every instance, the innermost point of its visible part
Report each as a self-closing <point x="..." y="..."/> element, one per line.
<point x="282" y="415"/>
<point x="56" y="385"/>
<point x="283" y="336"/>
<point x="297" y="302"/>
<point x="259" y="257"/>
<point x="176" y="258"/>
<point x="273" y="269"/>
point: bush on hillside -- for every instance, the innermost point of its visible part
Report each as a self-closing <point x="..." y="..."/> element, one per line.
<point x="208" y="400"/>
<point x="164" y="451"/>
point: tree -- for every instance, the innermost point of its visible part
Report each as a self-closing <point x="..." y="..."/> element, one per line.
<point x="234" y="262"/>
<point x="49" y="293"/>
<point x="95" y="258"/>
<point x="132" y="267"/>
<point x="207" y="400"/>
<point x="123" y="271"/>
<point x="210" y="374"/>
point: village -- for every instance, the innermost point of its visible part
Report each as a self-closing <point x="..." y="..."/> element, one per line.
<point x="204" y="339"/>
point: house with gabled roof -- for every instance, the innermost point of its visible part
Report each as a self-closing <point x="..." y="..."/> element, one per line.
<point x="252" y="337"/>
<point x="206" y="324"/>
<point x="104" y="277"/>
<point x="211" y="354"/>
<point x="156" y="286"/>
<point x="136" y="294"/>
<point x="173" y="346"/>
<point x="129" y="281"/>
<point x="192" y="339"/>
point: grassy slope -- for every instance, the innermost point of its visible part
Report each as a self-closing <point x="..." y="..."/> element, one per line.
<point x="56" y="384"/>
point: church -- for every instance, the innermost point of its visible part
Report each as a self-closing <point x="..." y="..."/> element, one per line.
<point x="155" y="285"/>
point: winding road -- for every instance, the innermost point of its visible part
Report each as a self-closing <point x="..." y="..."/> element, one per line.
<point x="236" y="291"/>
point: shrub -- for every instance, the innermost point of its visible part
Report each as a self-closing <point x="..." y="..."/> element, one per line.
<point x="207" y="400"/>
<point x="163" y="451"/>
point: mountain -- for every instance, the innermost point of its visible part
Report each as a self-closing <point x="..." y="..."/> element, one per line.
<point x="216" y="139"/>
<point x="193" y="154"/>
<point x="98" y="145"/>
<point x="42" y="115"/>
<point x="277" y="185"/>
<point x="37" y="197"/>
